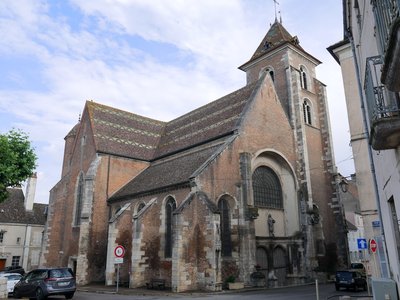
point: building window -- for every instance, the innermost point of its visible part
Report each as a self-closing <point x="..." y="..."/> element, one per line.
<point x="15" y="260"/>
<point x="267" y="190"/>
<point x="170" y="206"/>
<point x="79" y="200"/>
<point x="226" y="240"/>
<point x="307" y="112"/>
<point x="303" y="78"/>
<point x="1" y="236"/>
<point x="18" y="240"/>
<point x="270" y="71"/>
<point x="140" y="207"/>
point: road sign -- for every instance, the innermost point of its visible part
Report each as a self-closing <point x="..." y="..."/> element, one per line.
<point x="362" y="244"/>
<point x="119" y="251"/>
<point x="373" y="245"/>
<point x="376" y="223"/>
<point x="118" y="260"/>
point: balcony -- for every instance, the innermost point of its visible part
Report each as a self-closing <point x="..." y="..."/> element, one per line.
<point x="383" y="108"/>
<point x="387" y="19"/>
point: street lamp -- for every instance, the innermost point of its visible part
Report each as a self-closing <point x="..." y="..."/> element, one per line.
<point x="344" y="186"/>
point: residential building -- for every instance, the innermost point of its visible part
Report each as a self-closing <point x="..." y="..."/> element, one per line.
<point x="21" y="227"/>
<point x="246" y="180"/>
<point x="369" y="57"/>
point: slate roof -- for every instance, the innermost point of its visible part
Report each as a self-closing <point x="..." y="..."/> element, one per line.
<point x="276" y="36"/>
<point x="351" y="226"/>
<point x="12" y="210"/>
<point x="166" y="173"/>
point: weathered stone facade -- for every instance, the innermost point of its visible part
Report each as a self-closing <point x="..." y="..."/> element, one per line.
<point x="239" y="188"/>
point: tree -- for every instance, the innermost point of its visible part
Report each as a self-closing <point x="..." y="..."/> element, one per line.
<point x="17" y="160"/>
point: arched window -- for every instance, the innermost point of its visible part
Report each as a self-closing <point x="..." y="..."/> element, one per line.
<point x="307" y="112"/>
<point x="117" y="209"/>
<point x="270" y="71"/>
<point x="170" y="206"/>
<point x="226" y="240"/>
<point x="140" y="207"/>
<point x="267" y="188"/>
<point x="79" y="200"/>
<point x="303" y="77"/>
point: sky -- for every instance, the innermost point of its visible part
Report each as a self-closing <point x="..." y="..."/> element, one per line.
<point x="156" y="58"/>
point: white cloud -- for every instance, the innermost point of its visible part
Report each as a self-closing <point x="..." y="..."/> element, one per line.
<point x="113" y="56"/>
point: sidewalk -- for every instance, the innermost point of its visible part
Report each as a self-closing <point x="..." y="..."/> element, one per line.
<point x="101" y="288"/>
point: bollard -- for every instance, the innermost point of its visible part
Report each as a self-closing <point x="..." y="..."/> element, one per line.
<point x="316" y="288"/>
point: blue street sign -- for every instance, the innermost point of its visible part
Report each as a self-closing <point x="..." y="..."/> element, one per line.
<point x="376" y="223"/>
<point x="362" y="244"/>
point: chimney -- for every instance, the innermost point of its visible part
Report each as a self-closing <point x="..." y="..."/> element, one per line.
<point x="30" y="192"/>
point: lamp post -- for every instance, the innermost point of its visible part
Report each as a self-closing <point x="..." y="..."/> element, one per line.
<point x="341" y="186"/>
<point x="344" y="186"/>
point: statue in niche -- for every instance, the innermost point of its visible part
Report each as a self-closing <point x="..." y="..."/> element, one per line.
<point x="271" y="223"/>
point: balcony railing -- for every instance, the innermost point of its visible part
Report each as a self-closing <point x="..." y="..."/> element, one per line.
<point x="383" y="108"/>
<point x="386" y="12"/>
<point x="387" y="20"/>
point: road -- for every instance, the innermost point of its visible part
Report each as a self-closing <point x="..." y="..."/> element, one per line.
<point x="308" y="292"/>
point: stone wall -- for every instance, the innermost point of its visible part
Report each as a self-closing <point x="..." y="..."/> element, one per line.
<point x="3" y="288"/>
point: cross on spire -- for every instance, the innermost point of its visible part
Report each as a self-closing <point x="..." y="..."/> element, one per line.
<point x="276" y="14"/>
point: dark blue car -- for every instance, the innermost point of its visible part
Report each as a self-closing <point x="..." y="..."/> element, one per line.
<point x="350" y="280"/>
<point x="41" y="283"/>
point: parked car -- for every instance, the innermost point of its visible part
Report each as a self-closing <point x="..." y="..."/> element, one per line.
<point x="41" y="283"/>
<point x="12" y="279"/>
<point x="350" y="280"/>
<point x="359" y="267"/>
<point x="13" y="269"/>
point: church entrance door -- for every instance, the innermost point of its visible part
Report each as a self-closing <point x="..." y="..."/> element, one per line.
<point x="280" y="265"/>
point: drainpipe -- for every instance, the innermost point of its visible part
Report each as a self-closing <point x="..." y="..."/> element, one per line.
<point x="25" y="249"/>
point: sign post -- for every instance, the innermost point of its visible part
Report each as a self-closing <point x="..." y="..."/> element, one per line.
<point x="373" y="245"/>
<point x="119" y="253"/>
<point x="363" y="245"/>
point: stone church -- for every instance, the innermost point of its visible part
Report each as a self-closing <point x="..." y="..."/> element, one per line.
<point x="241" y="188"/>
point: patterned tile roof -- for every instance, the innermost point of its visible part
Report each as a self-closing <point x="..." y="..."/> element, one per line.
<point x="12" y="210"/>
<point x="208" y="122"/>
<point x="122" y="133"/>
<point x="125" y="134"/>
<point x="172" y="147"/>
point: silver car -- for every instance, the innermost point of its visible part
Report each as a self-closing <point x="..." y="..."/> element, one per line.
<point x="12" y="279"/>
<point x="41" y="283"/>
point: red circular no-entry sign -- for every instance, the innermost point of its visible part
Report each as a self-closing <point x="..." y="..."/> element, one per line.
<point x="373" y="245"/>
<point x="119" y="251"/>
